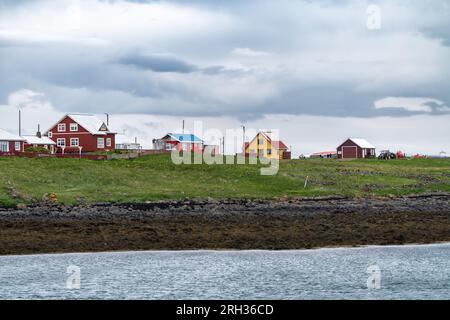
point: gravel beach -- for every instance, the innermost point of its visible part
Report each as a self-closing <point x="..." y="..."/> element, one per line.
<point x="225" y="224"/>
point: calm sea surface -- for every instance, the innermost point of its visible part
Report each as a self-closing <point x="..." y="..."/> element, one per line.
<point x="409" y="272"/>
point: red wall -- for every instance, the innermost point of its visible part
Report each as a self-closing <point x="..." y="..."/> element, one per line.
<point x="190" y="146"/>
<point x="86" y="140"/>
<point x="349" y="143"/>
<point x="12" y="148"/>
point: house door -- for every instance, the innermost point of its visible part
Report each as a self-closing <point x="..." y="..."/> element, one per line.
<point x="349" y="152"/>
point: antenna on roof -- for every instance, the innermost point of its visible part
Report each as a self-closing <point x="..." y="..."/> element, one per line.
<point x="183" y="126"/>
<point x="107" y="119"/>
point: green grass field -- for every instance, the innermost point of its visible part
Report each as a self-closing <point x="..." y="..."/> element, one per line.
<point x="155" y="177"/>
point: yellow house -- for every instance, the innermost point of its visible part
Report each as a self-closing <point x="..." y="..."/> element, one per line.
<point x="263" y="146"/>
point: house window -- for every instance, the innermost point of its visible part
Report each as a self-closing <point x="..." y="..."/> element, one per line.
<point x="168" y="146"/>
<point x="261" y="153"/>
<point x="4" y="146"/>
<point x="100" y="143"/>
<point x="62" y="127"/>
<point x="261" y="141"/>
<point x="50" y="134"/>
<point x="269" y="151"/>
<point x="74" y="127"/>
<point x="74" y="142"/>
<point x="18" y="146"/>
<point x="108" y="142"/>
<point x="61" y="142"/>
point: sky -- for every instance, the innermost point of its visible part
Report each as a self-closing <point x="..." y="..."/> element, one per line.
<point x="316" y="71"/>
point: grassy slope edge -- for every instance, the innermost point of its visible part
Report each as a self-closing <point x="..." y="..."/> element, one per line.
<point x="155" y="177"/>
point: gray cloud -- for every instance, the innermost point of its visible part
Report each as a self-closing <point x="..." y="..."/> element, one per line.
<point x="317" y="59"/>
<point x="158" y="63"/>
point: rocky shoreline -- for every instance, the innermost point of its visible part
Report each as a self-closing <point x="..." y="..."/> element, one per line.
<point x="225" y="224"/>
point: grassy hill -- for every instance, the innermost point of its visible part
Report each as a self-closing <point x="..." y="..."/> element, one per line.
<point x="155" y="177"/>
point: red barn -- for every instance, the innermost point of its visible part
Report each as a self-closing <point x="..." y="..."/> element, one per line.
<point x="81" y="133"/>
<point x="10" y="144"/>
<point x="355" y="148"/>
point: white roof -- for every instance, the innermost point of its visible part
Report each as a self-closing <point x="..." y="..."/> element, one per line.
<point x="36" y="140"/>
<point x="123" y="139"/>
<point x="363" y="143"/>
<point x="6" y="136"/>
<point x="89" y="122"/>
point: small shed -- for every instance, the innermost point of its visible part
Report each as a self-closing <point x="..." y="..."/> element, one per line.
<point x="356" y="148"/>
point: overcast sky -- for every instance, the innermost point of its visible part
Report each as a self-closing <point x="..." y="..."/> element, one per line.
<point x="315" y="70"/>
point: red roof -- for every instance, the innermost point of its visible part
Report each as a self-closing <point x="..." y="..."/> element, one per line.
<point x="324" y="153"/>
<point x="279" y="145"/>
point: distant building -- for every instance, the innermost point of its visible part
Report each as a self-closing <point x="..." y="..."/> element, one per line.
<point x="263" y="146"/>
<point x="43" y="142"/>
<point x="39" y="140"/>
<point x="10" y="144"/>
<point x="179" y="142"/>
<point x="124" y="144"/>
<point x="128" y="146"/>
<point x="81" y="133"/>
<point x="355" y="148"/>
<point x="324" y="154"/>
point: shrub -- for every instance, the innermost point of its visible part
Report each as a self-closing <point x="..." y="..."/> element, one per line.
<point x="37" y="150"/>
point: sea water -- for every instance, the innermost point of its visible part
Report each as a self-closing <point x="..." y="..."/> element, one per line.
<point x="402" y="272"/>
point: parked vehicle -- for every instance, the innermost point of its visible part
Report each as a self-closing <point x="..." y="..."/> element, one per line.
<point x="400" y="155"/>
<point x="387" y="155"/>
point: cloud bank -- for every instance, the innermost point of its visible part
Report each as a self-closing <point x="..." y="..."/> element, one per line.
<point x="249" y="61"/>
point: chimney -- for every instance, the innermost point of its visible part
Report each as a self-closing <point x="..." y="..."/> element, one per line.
<point x="38" y="133"/>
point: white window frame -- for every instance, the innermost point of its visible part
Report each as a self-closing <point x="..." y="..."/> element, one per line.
<point x="61" y="127"/>
<point x="18" y="146"/>
<point x="108" y="142"/>
<point x="102" y="144"/>
<point x="59" y="140"/>
<point x="50" y="134"/>
<point x="74" y="127"/>
<point x="77" y="142"/>
<point x="169" y="146"/>
<point x="4" y="146"/>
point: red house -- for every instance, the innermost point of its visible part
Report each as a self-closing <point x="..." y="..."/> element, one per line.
<point x="180" y="142"/>
<point x="10" y="144"/>
<point x="81" y="133"/>
<point x="355" y="148"/>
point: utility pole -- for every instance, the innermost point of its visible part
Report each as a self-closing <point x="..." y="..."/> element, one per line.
<point x="107" y="119"/>
<point x="223" y="145"/>
<point x="183" y="126"/>
<point x="20" y="123"/>
<point x="243" y="139"/>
